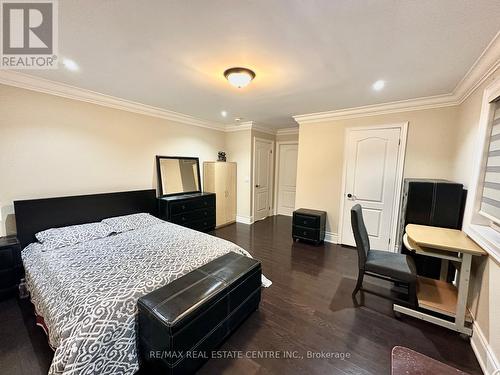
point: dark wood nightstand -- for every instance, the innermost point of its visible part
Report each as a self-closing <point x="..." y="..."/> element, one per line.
<point x="309" y="225"/>
<point x="11" y="269"/>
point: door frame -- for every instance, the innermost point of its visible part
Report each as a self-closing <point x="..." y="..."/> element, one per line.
<point x="271" y="176"/>
<point x="277" y="170"/>
<point x="403" y="126"/>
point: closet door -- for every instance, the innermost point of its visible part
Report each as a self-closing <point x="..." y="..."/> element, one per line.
<point x="220" y="190"/>
<point x="220" y="178"/>
<point x="230" y="193"/>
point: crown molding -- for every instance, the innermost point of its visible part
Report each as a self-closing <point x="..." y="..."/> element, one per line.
<point x="263" y="130"/>
<point x="287" y="131"/>
<point x="46" y="86"/>
<point x="485" y="65"/>
<point x="247" y="125"/>
<point x="429" y="102"/>
<point x="481" y="70"/>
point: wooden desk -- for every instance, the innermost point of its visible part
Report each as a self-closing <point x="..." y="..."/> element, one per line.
<point x="436" y="295"/>
<point x="453" y="240"/>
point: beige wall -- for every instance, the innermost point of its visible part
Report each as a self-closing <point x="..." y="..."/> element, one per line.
<point x="430" y="152"/>
<point x="51" y="146"/>
<point x="485" y="272"/>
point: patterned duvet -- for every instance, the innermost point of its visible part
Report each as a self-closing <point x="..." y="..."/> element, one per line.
<point x="87" y="293"/>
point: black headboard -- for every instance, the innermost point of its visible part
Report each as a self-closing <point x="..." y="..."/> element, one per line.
<point x="35" y="215"/>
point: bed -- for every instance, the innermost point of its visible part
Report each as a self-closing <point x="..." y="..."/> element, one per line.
<point x="87" y="292"/>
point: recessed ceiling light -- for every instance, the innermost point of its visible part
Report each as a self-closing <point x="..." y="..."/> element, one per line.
<point x="379" y="85"/>
<point x="70" y="65"/>
<point x="223" y="113"/>
<point x="238" y="119"/>
<point x="239" y="77"/>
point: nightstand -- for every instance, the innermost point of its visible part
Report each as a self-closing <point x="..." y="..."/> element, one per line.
<point x="11" y="269"/>
<point x="309" y="225"/>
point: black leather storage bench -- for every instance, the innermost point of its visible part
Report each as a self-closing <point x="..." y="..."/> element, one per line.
<point x="181" y="323"/>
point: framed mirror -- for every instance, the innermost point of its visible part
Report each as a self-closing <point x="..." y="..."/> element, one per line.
<point x="178" y="175"/>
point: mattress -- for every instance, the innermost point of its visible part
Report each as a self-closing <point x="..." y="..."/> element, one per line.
<point x="87" y="293"/>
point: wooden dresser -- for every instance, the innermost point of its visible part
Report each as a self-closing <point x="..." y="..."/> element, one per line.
<point x="195" y="210"/>
<point x="309" y="225"/>
<point x="220" y="177"/>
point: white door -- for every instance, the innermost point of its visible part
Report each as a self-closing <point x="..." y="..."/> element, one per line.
<point x="263" y="156"/>
<point x="287" y="178"/>
<point x="370" y="180"/>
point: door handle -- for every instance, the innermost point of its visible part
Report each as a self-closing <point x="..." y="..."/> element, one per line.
<point x="351" y="196"/>
<point x="257" y="185"/>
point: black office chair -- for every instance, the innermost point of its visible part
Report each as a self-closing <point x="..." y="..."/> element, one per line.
<point x="398" y="268"/>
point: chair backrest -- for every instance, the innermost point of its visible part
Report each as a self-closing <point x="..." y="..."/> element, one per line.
<point x="360" y="235"/>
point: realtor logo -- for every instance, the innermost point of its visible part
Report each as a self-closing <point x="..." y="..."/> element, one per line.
<point x="29" y="34"/>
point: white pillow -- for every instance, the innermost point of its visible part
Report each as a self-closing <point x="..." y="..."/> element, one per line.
<point x="125" y="223"/>
<point x="65" y="236"/>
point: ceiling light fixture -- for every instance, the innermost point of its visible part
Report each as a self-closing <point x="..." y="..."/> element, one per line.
<point x="70" y="65"/>
<point x="379" y="85"/>
<point x="223" y="113"/>
<point x="239" y="77"/>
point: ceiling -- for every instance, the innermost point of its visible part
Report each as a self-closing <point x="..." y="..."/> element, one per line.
<point x="309" y="56"/>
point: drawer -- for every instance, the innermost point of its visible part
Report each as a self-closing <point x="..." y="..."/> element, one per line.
<point x="307" y="233"/>
<point x="202" y="225"/>
<point x="192" y="204"/>
<point x="8" y="278"/>
<point x="6" y="258"/>
<point x="195" y="215"/>
<point x="306" y="221"/>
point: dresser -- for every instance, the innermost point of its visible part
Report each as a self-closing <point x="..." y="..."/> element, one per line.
<point x="11" y="269"/>
<point x="195" y="210"/>
<point x="309" y="225"/>
<point x="220" y="178"/>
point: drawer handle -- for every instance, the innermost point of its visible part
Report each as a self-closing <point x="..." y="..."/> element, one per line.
<point x="304" y="233"/>
<point x="183" y="207"/>
<point x="206" y="213"/>
<point x="183" y="218"/>
<point x="305" y="221"/>
<point x="205" y="203"/>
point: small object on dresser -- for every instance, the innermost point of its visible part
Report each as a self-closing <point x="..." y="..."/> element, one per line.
<point x="221" y="156"/>
<point x="11" y="269"/>
<point x="309" y="225"/>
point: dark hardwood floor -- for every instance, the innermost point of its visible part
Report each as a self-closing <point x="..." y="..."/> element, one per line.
<point x="307" y="309"/>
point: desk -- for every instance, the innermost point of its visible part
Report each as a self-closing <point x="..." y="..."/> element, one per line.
<point x="437" y="295"/>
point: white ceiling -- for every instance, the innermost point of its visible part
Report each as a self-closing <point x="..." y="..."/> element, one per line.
<point x="309" y="56"/>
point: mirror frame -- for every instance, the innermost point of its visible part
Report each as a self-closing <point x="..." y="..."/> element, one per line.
<point x="160" y="178"/>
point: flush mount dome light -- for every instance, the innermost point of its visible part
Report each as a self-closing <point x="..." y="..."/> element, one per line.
<point x="239" y="77"/>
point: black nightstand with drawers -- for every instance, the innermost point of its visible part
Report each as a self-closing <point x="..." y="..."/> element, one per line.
<point x="11" y="269"/>
<point x="195" y="211"/>
<point x="309" y="225"/>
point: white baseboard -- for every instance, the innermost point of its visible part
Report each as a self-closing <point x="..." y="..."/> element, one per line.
<point x="244" y="219"/>
<point x="332" y="237"/>
<point x="484" y="354"/>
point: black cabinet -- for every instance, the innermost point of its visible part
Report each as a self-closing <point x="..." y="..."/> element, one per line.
<point x="195" y="211"/>
<point x="11" y="269"/>
<point x="309" y="225"/>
